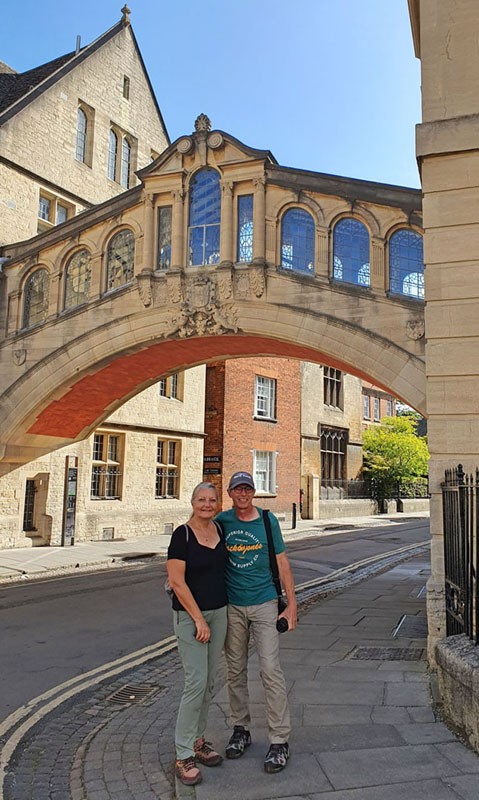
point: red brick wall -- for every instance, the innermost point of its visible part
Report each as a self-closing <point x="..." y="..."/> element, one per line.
<point x="242" y="433"/>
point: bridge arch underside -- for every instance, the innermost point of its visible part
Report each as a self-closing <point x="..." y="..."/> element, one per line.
<point x="65" y="396"/>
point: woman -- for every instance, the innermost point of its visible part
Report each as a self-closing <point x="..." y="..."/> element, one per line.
<point x="196" y="563"/>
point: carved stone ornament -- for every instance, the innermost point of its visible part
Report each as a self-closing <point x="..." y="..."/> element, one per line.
<point x="202" y="124"/>
<point x="19" y="357"/>
<point x="185" y="145"/>
<point x="175" y="286"/>
<point x="144" y="279"/>
<point x="215" y="140"/>
<point x="249" y="282"/>
<point x="415" y="329"/>
<point x="200" y="314"/>
<point x="224" y="282"/>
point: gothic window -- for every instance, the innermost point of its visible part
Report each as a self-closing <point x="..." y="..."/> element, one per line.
<point x="77" y="279"/>
<point x="245" y="228"/>
<point x="35" y="307"/>
<point x="164" y="238"/>
<point x="120" y="260"/>
<point x="204" y="218"/>
<point x="297" y="241"/>
<point x="82" y="130"/>
<point x="406" y="264"/>
<point x="351" y="252"/>
<point x="333" y="456"/>
<point x="112" y="155"/>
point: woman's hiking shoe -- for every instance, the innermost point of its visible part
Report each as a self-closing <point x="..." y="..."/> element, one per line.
<point x="187" y="772"/>
<point x="240" y="740"/>
<point x="205" y="754"/>
<point x="276" y="757"/>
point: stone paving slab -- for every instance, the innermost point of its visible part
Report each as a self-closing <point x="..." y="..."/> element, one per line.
<point x="416" y="790"/>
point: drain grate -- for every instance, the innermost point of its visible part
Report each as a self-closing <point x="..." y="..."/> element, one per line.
<point x="133" y="693"/>
<point x="411" y="627"/>
<point x="388" y="653"/>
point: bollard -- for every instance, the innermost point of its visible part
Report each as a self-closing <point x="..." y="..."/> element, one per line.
<point x="293" y="517"/>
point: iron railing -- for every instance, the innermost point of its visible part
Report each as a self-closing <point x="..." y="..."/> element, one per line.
<point x="460" y="495"/>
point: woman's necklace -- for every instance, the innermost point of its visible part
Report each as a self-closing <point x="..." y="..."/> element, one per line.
<point x="205" y="536"/>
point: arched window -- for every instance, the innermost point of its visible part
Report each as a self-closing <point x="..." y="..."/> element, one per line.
<point x="112" y="155"/>
<point x="125" y="163"/>
<point x="351" y="252"/>
<point x="82" y="129"/>
<point x="120" y="260"/>
<point x="204" y="219"/>
<point x="77" y="279"/>
<point x="406" y="264"/>
<point x="297" y="241"/>
<point x="35" y="307"/>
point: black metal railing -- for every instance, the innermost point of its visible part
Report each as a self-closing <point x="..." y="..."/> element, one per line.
<point x="460" y="495"/>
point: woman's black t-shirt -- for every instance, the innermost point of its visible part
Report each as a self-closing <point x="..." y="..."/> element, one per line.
<point x="205" y="568"/>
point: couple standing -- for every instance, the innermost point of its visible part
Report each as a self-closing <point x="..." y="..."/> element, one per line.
<point x="220" y="575"/>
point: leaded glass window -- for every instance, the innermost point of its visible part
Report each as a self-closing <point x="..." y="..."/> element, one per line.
<point x="204" y="218"/>
<point x="35" y="307"/>
<point x="77" y="279"/>
<point x="81" y="142"/>
<point x="333" y="444"/>
<point x="125" y="163"/>
<point x="120" y="259"/>
<point x="406" y="264"/>
<point x="351" y="252"/>
<point x="332" y="387"/>
<point x="107" y="467"/>
<point x="112" y="155"/>
<point x="164" y="238"/>
<point x="245" y="228"/>
<point x="297" y="241"/>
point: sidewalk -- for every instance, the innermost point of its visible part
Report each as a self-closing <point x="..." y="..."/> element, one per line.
<point x="364" y="727"/>
<point x="25" y="563"/>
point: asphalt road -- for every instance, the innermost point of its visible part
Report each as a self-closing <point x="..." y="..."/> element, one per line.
<point x="55" y="629"/>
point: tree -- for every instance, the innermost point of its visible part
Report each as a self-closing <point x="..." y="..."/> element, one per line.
<point x="393" y="453"/>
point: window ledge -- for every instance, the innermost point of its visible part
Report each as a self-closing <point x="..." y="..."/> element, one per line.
<point x="265" y="494"/>
<point x="265" y="419"/>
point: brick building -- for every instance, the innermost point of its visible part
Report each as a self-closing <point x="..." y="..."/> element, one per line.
<point x="252" y="422"/>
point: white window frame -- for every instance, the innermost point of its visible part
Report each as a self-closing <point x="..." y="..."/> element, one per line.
<point x="366" y="406"/>
<point x="264" y="397"/>
<point x="264" y="471"/>
<point x="377" y="409"/>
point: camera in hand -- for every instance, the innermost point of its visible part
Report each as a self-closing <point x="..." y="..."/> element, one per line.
<point x="281" y="624"/>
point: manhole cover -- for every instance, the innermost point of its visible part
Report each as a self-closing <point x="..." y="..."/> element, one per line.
<point x="133" y="693"/>
<point x="411" y="627"/>
<point x="388" y="653"/>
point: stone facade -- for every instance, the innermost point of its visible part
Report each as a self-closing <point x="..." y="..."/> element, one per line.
<point x="445" y="35"/>
<point x="37" y="143"/>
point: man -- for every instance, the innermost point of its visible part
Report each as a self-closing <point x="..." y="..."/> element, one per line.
<point x="253" y="607"/>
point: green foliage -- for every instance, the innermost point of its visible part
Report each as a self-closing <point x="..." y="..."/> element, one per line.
<point x="393" y="453"/>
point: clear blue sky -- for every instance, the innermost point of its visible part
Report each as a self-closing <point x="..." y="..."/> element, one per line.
<point x="326" y="85"/>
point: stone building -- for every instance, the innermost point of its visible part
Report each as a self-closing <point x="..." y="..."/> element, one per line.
<point x="73" y="133"/>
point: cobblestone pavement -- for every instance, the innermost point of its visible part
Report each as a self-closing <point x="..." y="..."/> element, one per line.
<point x="95" y="749"/>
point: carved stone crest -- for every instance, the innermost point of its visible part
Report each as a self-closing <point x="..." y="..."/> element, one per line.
<point x="415" y="329"/>
<point x="250" y="282"/>
<point x="202" y="124"/>
<point x="200" y="313"/>
<point x="19" y="357"/>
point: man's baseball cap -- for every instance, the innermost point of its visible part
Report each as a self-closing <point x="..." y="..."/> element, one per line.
<point x="241" y="479"/>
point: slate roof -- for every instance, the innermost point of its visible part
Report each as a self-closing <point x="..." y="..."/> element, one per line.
<point x="13" y="86"/>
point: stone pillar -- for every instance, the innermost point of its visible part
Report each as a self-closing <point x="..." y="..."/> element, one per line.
<point x="177" y="229"/>
<point x="148" y="260"/>
<point x="377" y="280"/>
<point x="259" y="222"/>
<point x="226" y="238"/>
<point x="96" y="286"/>
<point x="322" y="250"/>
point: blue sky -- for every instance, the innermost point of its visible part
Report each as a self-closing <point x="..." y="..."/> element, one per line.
<point x="327" y="85"/>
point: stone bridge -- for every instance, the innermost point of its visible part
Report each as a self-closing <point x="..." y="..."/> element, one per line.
<point x="100" y="307"/>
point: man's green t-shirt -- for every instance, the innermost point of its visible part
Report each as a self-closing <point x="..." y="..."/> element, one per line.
<point x="248" y="574"/>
